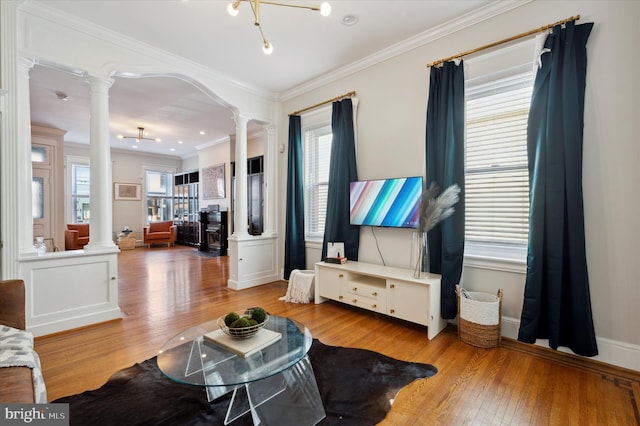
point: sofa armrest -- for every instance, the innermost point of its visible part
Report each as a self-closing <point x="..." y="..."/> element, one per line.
<point x="12" y="303"/>
<point x="17" y="385"/>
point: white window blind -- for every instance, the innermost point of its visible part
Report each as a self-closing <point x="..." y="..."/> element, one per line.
<point x="496" y="174"/>
<point x="317" y="156"/>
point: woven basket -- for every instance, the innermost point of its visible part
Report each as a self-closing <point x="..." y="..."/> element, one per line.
<point x="479" y="318"/>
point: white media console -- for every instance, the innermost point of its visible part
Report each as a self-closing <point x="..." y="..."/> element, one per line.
<point x="384" y="289"/>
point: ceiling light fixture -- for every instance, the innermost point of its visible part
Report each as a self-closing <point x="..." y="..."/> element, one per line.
<point x="267" y="47"/>
<point x="350" y="20"/>
<point x="140" y="137"/>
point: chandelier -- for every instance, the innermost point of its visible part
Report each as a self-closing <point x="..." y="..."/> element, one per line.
<point x="267" y="47"/>
<point x="140" y="136"/>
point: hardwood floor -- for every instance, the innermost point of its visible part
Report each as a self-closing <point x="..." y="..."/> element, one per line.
<point x="164" y="290"/>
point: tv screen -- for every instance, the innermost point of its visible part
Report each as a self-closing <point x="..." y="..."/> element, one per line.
<point x="386" y="202"/>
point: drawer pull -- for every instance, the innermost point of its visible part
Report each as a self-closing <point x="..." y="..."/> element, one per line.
<point x="393" y="311"/>
<point x="392" y="286"/>
<point x="375" y="293"/>
<point x="340" y="276"/>
<point x="374" y="306"/>
<point x="340" y="297"/>
<point x="355" y="300"/>
<point x="355" y="289"/>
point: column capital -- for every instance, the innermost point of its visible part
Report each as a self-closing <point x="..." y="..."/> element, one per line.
<point x="270" y="129"/>
<point x="96" y="81"/>
<point x="25" y="65"/>
<point x="240" y="119"/>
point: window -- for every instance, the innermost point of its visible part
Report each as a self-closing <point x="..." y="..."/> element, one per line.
<point x="80" y="187"/>
<point x="496" y="170"/>
<point x="317" y="156"/>
<point x="159" y="195"/>
<point x="37" y="198"/>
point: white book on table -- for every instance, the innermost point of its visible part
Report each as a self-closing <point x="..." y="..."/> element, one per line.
<point x="243" y="347"/>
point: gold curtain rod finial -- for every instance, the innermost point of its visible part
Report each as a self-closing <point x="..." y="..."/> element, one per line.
<point x="337" y="98"/>
<point x="506" y="40"/>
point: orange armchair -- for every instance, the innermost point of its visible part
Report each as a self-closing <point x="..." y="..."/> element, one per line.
<point x="160" y="233"/>
<point x="76" y="236"/>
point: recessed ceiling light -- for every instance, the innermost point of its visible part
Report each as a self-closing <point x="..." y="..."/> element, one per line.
<point x="202" y="132"/>
<point x="172" y="150"/>
<point x="350" y="20"/>
<point x="179" y="141"/>
<point x="134" y="146"/>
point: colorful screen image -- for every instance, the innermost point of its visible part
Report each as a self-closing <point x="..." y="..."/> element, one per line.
<point x="386" y="202"/>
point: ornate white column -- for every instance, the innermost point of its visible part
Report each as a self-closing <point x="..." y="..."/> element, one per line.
<point x="24" y="177"/>
<point x="271" y="166"/>
<point x="240" y="215"/>
<point x="100" y="237"/>
<point x="15" y="147"/>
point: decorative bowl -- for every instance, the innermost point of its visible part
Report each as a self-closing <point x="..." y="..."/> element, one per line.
<point x="242" y="332"/>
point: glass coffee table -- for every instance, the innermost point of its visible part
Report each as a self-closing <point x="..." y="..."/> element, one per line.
<point x="274" y="383"/>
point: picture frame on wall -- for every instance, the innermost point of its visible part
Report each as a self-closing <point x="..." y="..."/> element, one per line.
<point x="127" y="191"/>
<point x="213" y="182"/>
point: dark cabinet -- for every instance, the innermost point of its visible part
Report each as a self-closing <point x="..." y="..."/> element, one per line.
<point x="186" y="208"/>
<point x="255" y="196"/>
<point x="213" y="226"/>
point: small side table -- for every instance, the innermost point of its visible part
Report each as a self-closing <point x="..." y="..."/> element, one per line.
<point x="126" y="241"/>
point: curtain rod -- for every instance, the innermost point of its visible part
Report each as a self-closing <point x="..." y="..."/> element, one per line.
<point x="346" y="95"/>
<point x="506" y="40"/>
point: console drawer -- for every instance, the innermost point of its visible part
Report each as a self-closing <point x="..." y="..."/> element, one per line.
<point x="370" y="303"/>
<point x="364" y="290"/>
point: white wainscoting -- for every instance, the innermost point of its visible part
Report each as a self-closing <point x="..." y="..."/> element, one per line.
<point x="69" y="289"/>
<point x="252" y="261"/>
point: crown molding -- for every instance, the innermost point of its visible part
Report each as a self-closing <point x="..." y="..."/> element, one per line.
<point x="212" y="143"/>
<point x="489" y="11"/>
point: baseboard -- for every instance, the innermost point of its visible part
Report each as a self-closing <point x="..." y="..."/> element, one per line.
<point x="569" y="359"/>
<point x="74" y="322"/>
<point x="253" y="282"/>
<point x="610" y="352"/>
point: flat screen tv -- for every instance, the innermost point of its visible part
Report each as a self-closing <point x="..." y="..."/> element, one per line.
<point x="386" y="202"/>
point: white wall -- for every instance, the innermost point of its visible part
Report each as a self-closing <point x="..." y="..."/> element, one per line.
<point x="128" y="167"/>
<point x="211" y="156"/>
<point x="391" y="124"/>
<point x="224" y="153"/>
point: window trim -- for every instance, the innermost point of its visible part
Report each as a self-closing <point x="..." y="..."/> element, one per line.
<point x="495" y="65"/>
<point x="144" y="204"/>
<point x="70" y="161"/>
<point x="498" y="257"/>
<point x="316" y="119"/>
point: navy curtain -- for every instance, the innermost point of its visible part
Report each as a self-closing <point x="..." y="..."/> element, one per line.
<point x="342" y="171"/>
<point x="557" y="304"/>
<point x="445" y="166"/>
<point x="294" y="250"/>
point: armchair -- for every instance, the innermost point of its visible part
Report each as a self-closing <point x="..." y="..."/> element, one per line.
<point x="160" y="233"/>
<point x="76" y="236"/>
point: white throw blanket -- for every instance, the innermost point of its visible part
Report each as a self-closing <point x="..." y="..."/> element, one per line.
<point x="16" y="350"/>
<point x="300" y="289"/>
